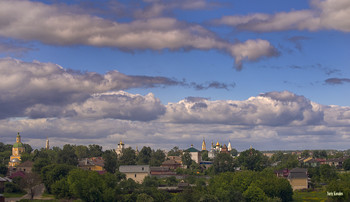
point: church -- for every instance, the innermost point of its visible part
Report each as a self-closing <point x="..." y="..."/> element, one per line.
<point x="17" y="150"/>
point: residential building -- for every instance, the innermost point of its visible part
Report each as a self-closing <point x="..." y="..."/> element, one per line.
<point x="25" y="166"/>
<point x="171" y="164"/>
<point x="135" y="172"/>
<point x="93" y="163"/>
<point x="298" y="178"/>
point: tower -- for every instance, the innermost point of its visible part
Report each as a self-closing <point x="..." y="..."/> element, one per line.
<point x="47" y="146"/>
<point x="203" y="145"/>
<point x="17" y="150"/>
<point x="229" y="148"/>
<point x="120" y="148"/>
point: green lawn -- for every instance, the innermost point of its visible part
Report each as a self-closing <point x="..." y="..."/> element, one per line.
<point x="14" y="195"/>
<point x="310" y="196"/>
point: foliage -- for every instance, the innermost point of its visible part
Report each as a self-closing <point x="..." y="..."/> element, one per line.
<point x="144" y="156"/>
<point x="67" y="155"/>
<point x="110" y="161"/>
<point x="27" y="148"/>
<point x="204" y="155"/>
<point x="252" y="159"/>
<point x="54" y="172"/>
<point x="157" y="158"/>
<point x="95" y="150"/>
<point x="186" y="159"/>
<point x="346" y="164"/>
<point x="319" y="154"/>
<point x="234" y="152"/>
<point x="223" y="162"/>
<point x="11" y="187"/>
<point x="175" y="151"/>
<point x="3" y="169"/>
<point x="229" y="186"/>
<point x="341" y="185"/>
<point x="39" y="164"/>
<point x="82" y="151"/>
<point x="128" y="157"/>
<point x="254" y="194"/>
<point x="305" y="154"/>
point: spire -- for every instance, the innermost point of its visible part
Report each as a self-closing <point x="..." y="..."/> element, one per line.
<point x="47" y="147"/>
<point x="203" y="145"/>
<point x="229" y="148"/>
<point x="18" y="138"/>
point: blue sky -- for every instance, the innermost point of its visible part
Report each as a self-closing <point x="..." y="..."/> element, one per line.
<point x="270" y="74"/>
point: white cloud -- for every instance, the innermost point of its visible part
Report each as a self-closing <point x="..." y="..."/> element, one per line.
<point x="324" y="14"/>
<point x="274" y="120"/>
<point x="272" y="109"/>
<point x="21" y="19"/>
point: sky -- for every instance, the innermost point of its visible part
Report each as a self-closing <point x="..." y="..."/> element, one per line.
<point x="269" y="74"/>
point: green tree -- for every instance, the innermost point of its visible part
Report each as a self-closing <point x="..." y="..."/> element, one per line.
<point x="95" y="150"/>
<point x="223" y="162"/>
<point x="346" y="164"/>
<point x="157" y="158"/>
<point x="327" y="173"/>
<point x="82" y="151"/>
<point x="67" y="155"/>
<point x="144" y="198"/>
<point x="144" y="156"/>
<point x="53" y="173"/>
<point x="128" y="157"/>
<point x="110" y="161"/>
<point x="174" y="151"/>
<point x="305" y="154"/>
<point x="204" y="155"/>
<point x="252" y="159"/>
<point x="254" y="194"/>
<point x="3" y="169"/>
<point x="39" y="163"/>
<point x="86" y="185"/>
<point x="234" y="152"/>
<point x="186" y="159"/>
<point x="27" y="148"/>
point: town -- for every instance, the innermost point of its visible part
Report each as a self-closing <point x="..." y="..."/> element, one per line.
<point x="215" y="173"/>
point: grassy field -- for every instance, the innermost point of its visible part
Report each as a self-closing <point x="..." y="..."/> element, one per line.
<point x="13" y="195"/>
<point x="319" y="196"/>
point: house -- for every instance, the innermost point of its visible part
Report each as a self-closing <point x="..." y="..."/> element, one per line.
<point x="25" y="166"/>
<point x="195" y="154"/>
<point x="298" y="178"/>
<point x="311" y="163"/>
<point x="93" y="163"/>
<point x="282" y="173"/>
<point x="337" y="162"/>
<point x="135" y="172"/>
<point x="161" y="171"/>
<point x="175" y="158"/>
<point x="171" y="164"/>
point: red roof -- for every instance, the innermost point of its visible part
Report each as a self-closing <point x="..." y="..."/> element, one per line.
<point x="18" y="174"/>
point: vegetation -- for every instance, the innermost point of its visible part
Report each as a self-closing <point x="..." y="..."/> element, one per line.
<point x="256" y="181"/>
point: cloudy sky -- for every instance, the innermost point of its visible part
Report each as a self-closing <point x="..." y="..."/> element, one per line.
<point x="165" y="73"/>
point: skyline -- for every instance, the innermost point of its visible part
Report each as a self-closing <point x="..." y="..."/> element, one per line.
<point x="168" y="73"/>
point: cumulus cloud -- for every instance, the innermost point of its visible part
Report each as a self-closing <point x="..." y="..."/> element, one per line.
<point x="114" y="105"/>
<point x="36" y="85"/>
<point x="323" y="14"/>
<point x="55" y="26"/>
<point x="38" y="90"/>
<point x="273" y="120"/>
<point x="274" y="109"/>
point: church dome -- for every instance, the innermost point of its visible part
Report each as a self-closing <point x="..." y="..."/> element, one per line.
<point x="18" y="144"/>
